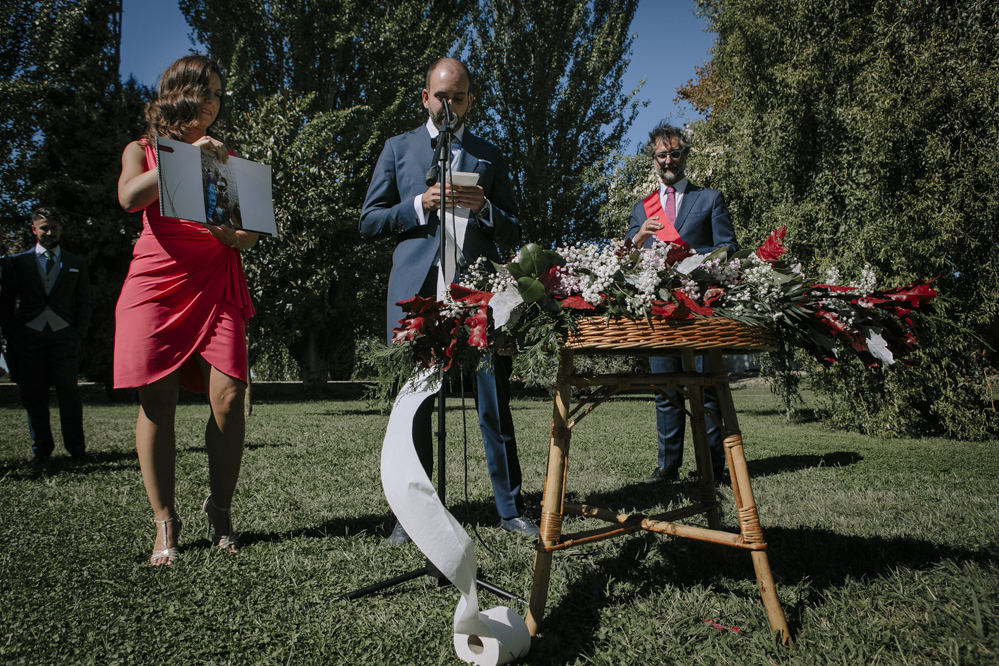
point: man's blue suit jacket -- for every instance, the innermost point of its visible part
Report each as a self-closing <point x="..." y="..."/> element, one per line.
<point x="703" y="220"/>
<point x="388" y="210"/>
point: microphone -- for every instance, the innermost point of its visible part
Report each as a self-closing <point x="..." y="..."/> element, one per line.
<point x="441" y="147"/>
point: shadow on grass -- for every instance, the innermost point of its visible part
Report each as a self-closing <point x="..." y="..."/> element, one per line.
<point x="811" y="560"/>
<point x="781" y="464"/>
<point x="23" y="470"/>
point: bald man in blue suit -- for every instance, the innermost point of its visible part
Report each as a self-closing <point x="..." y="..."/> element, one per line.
<point x="400" y="205"/>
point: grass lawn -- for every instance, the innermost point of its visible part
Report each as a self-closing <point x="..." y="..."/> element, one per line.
<point x="884" y="551"/>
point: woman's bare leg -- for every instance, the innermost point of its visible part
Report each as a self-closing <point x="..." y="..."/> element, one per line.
<point x="155" y="443"/>
<point x="224" y="435"/>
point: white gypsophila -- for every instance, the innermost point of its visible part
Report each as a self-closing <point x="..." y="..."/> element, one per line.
<point x="690" y="288"/>
<point x="868" y="281"/>
<point x="832" y="276"/>
<point x="761" y="281"/>
<point x="600" y="267"/>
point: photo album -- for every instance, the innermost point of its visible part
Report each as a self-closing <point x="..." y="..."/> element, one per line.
<point x="197" y="186"/>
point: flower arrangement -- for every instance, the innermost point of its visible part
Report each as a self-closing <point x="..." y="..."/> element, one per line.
<point x="534" y="301"/>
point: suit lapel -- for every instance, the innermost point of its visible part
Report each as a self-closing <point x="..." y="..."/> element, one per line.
<point x="468" y="160"/>
<point x="689" y="197"/>
<point x="419" y="143"/>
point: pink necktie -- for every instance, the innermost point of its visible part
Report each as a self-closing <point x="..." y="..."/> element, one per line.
<point x="670" y="204"/>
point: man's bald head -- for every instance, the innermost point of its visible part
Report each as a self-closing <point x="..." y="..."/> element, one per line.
<point x="452" y="64"/>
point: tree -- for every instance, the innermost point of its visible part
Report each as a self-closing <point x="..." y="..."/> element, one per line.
<point x="548" y="88"/>
<point x="66" y="121"/>
<point x="869" y="129"/>
<point x="315" y="90"/>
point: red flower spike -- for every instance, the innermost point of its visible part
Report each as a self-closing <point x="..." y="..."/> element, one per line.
<point x="577" y="303"/>
<point x="772" y="249"/>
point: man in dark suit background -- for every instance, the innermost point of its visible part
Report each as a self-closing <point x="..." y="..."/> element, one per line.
<point x="45" y="311"/>
<point x="400" y="205"/>
<point x="680" y="210"/>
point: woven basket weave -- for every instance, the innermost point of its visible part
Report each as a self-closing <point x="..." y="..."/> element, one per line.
<point x="598" y="334"/>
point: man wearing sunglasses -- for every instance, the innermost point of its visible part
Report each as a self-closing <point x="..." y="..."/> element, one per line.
<point x="679" y="211"/>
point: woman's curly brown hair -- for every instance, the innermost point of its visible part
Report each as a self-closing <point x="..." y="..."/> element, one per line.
<point x="182" y="88"/>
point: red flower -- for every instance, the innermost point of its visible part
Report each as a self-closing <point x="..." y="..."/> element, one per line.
<point x="577" y="303"/>
<point x="772" y="249"/>
<point x="411" y="328"/>
<point x="678" y="253"/>
<point x="670" y="310"/>
<point x="913" y="294"/>
<point x="692" y="304"/>
<point x="470" y="296"/>
<point x="478" y="322"/>
<point x="712" y="295"/>
<point x="420" y="305"/>
<point x="551" y="279"/>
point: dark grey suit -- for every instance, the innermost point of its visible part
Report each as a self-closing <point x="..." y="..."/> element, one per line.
<point x="39" y="359"/>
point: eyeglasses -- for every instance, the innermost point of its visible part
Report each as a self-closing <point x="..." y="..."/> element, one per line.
<point x="673" y="155"/>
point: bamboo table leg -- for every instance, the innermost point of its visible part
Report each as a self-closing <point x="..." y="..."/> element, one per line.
<point x="554" y="493"/>
<point x="742" y="490"/>
<point x="702" y="450"/>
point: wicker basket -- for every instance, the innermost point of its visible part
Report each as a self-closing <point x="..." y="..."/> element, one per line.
<point x="619" y="334"/>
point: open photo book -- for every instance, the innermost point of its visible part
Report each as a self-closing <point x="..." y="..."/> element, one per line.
<point x="197" y="186"/>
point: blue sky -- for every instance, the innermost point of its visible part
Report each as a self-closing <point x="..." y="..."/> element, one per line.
<point x="669" y="42"/>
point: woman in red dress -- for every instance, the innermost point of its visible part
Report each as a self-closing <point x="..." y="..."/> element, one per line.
<point x="180" y="318"/>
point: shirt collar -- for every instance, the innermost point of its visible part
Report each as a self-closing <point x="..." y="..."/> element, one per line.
<point x="434" y="131"/>
<point x="680" y="186"/>
<point x="40" y="251"/>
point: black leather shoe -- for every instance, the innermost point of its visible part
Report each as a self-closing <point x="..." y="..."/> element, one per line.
<point x="40" y="460"/>
<point x="660" y="474"/>
<point x="398" y="536"/>
<point x="521" y="525"/>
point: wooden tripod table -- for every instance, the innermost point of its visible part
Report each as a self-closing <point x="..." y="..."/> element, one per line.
<point x="714" y="336"/>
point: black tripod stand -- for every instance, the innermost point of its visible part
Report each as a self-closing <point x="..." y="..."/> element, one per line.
<point x="437" y="174"/>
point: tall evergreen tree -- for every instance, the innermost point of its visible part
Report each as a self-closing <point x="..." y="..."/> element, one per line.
<point x="316" y="88"/>
<point x="869" y="128"/>
<point x="548" y="88"/>
<point x="66" y="121"/>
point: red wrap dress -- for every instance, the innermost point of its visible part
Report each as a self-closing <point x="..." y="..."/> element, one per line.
<point x="185" y="294"/>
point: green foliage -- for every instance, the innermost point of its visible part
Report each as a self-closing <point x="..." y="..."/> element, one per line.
<point x="630" y="179"/>
<point x="315" y="90"/>
<point x="66" y="119"/>
<point x="869" y="130"/>
<point x="548" y="83"/>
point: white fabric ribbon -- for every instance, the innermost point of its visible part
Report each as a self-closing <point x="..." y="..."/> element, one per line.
<point x="488" y="638"/>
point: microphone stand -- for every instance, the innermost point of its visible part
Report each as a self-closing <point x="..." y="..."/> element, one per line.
<point x="438" y="172"/>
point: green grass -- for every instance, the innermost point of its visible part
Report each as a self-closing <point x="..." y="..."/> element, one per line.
<point x="884" y="551"/>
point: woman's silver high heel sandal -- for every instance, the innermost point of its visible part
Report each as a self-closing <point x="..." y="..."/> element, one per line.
<point x="169" y="554"/>
<point x="227" y="542"/>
